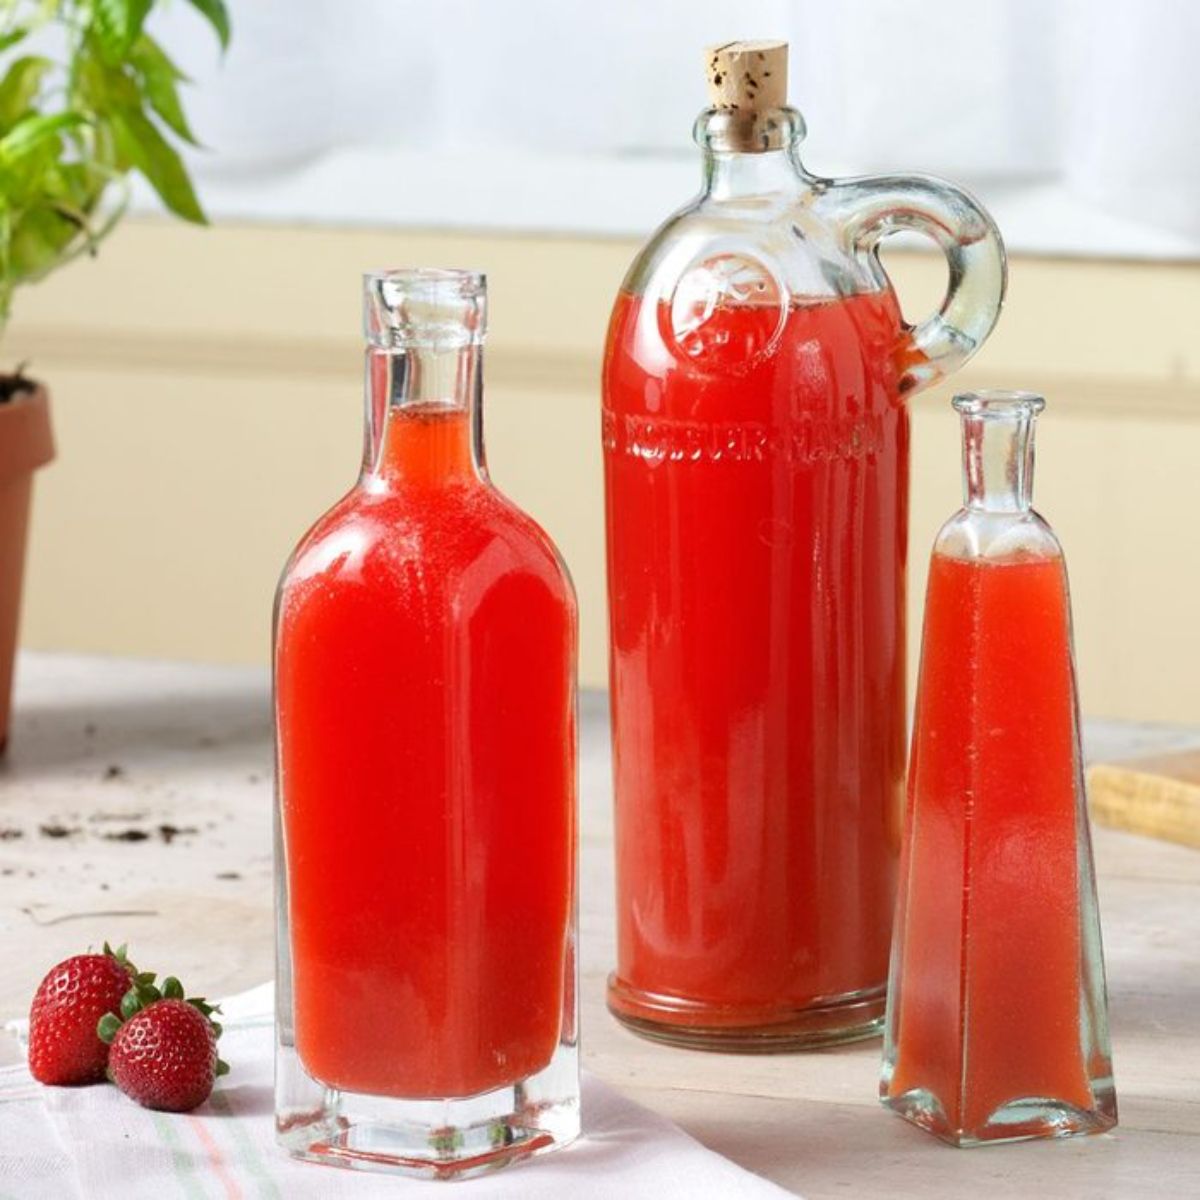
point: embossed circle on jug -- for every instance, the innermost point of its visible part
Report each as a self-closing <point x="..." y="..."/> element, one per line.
<point x="720" y="279"/>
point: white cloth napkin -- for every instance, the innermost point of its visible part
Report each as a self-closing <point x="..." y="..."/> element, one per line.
<point x="94" y="1143"/>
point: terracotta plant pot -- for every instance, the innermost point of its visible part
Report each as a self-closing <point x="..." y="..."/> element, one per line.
<point x="26" y="443"/>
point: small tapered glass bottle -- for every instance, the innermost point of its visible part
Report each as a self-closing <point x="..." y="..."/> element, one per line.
<point x="425" y="643"/>
<point x="997" y="1022"/>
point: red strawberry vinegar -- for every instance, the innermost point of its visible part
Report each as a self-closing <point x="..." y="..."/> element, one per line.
<point x="757" y="513"/>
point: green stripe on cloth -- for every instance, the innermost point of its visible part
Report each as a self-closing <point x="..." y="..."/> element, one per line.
<point x="185" y="1168"/>
<point x="247" y="1152"/>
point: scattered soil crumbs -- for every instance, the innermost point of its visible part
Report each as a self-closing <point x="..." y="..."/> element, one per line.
<point x="169" y="833"/>
<point x="56" y="831"/>
<point x="228" y="875"/>
<point x="166" y="832"/>
<point x="113" y="771"/>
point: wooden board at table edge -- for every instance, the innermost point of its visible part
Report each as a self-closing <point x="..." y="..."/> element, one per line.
<point x="1158" y="796"/>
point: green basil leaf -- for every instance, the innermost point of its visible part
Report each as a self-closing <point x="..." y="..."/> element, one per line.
<point x="31" y="133"/>
<point x="12" y="37"/>
<point x="19" y="87"/>
<point x="32" y="181"/>
<point x="142" y="145"/>
<point x="159" y="76"/>
<point x="80" y="185"/>
<point x="218" y="17"/>
<point x="117" y="24"/>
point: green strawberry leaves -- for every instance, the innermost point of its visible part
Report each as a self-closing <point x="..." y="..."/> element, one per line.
<point x="143" y="993"/>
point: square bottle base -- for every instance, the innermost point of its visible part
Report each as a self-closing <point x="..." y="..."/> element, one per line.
<point x="1016" y="1121"/>
<point x="430" y="1139"/>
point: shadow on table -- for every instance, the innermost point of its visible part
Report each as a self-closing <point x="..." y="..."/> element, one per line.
<point x="242" y="1100"/>
<point x="1164" y="1006"/>
<point x="815" y="1147"/>
<point x="116" y="735"/>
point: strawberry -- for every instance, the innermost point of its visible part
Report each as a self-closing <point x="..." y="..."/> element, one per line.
<point x="164" y="1053"/>
<point x="63" y="1044"/>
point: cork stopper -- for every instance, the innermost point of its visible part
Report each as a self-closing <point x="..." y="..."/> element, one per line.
<point x="747" y="76"/>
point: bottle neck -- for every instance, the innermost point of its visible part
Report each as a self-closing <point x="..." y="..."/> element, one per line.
<point x="752" y="154"/>
<point x="997" y="438"/>
<point x="728" y="176"/>
<point x="424" y="421"/>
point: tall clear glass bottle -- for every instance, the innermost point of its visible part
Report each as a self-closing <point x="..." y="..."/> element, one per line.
<point x="756" y="433"/>
<point x="425" y="646"/>
<point x="997" y="1022"/>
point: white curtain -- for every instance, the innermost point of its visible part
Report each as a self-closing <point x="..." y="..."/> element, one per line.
<point x="1101" y="96"/>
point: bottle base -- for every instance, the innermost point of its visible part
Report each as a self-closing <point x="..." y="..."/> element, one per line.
<point x="1017" y="1121"/>
<point x="700" y="1025"/>
<point x="429" y="1139"/>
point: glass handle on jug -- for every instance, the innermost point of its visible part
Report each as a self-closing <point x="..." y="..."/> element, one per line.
<point x="869" y="209"/>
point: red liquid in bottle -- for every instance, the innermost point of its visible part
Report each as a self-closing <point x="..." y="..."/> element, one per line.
<point x="757" y="522"/>
<point x="989" y="995"/>
<point x="426" y="718"/>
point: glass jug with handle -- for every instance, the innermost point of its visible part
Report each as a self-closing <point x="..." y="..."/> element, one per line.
<point x="756" y="444"/>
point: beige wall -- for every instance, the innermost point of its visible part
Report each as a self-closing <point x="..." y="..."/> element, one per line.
<point x="206" y="396"/>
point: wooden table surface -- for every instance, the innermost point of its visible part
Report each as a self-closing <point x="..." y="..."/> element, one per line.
<point x="135" y="805"/>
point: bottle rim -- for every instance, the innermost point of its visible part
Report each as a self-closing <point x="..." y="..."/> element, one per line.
<point x="456" y="280"/>
<point x="998" y="403"/>
<point x="748" y="131"/>
<point x="444" y="307"/>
